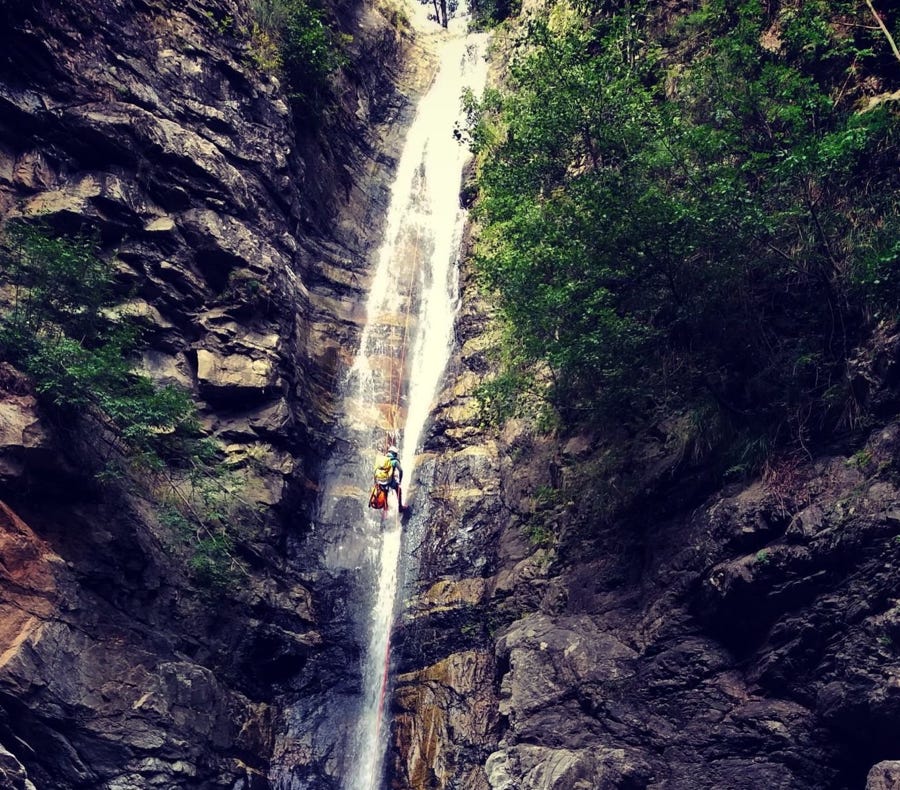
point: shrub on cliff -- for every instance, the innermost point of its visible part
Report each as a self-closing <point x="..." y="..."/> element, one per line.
<point x="293" y="37"/>
<point x="61" y="330"/>
<point x="58" y="333"/>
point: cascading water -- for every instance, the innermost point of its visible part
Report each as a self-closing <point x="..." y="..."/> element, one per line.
<point x="389" y="392"/>
<point x="417" y="267"/>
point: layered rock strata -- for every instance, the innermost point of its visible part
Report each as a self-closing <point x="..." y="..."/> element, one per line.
<point x="241" y="248"/>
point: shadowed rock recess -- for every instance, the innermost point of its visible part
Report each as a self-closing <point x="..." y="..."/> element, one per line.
<point x="241" y="247"/>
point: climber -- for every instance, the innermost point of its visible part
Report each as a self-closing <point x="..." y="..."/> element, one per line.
<point x="389" y="474"/>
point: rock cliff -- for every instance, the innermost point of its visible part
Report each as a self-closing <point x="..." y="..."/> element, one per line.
<point x="559" y="634"/>
<point x="555" y="633"/>
<point x="240" y="236"/>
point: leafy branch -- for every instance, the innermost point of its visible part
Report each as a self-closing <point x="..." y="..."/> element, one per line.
<point x="655" y="235"/>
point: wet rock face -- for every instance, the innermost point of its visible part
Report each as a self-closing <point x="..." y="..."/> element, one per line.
<point x="240" y="248"/>
<point x="94" y="697"/>
<point x="445" y="719"/>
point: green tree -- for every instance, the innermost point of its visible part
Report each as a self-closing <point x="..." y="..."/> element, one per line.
<point x="293" y="37"/>
<point x="665" y="235"/>
<point x="58" y="331"/>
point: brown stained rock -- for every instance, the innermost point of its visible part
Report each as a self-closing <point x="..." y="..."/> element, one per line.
<point x="28" y="592"/>
<point x="7" y="166"/>
<point x="32" y="171"/>
<point x="27" y="561"/>
<point x="452" y="696"/>
<point x="448" y="595"/>
<point x="71" y="200"/>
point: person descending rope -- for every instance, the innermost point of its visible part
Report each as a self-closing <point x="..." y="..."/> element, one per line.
<point x="388" y="472"/>
<point x="388" y="475"/>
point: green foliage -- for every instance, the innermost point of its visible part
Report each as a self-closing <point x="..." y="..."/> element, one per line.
<point x="59" y="331"/>
<point x="746" y="452"/>
<point x="203" y="509"/>
<point x="546" y="503"/>
<point x="198" y="522"/>
<point x="488" y="13"/>
<point x="222" y="24"/>
<point x="763" y="557"/>
<point x="660" y="238"/>
<point x="264" y="50"/>
<point x="212" y="560"/>
<point x="249" y="293"/>
<point x="513" y="392"/>
<point x="860" y="459"/>
<point x="293" y="38"/>
<point x="539" y="534"/>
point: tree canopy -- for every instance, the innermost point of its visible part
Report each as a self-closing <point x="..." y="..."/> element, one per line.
<point x="698" y="213"/>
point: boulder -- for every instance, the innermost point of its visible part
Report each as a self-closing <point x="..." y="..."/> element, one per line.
<point x="884" y="776"/>
<point x="234" y="377"/>
<point x="26" y="444"/>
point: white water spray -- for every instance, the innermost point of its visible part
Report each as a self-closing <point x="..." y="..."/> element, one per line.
<point x="334" y="732"/>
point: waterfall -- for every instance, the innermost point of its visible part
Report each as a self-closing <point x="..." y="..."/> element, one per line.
<point x="333" y="736"/>
<point x="405" y="346"/>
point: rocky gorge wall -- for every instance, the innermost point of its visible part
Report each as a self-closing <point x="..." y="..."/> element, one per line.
<point x="743" y="637"/>
<point x="565" y="630"/>
<point x="601" y="611"/>
<point x="240" y="241"/>
<point x="689" y="637"/>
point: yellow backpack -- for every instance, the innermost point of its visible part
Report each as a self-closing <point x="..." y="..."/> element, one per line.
<point x="384" y="470"/>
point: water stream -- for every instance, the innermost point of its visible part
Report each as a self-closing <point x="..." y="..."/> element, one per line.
<point x="396" y="373"/>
